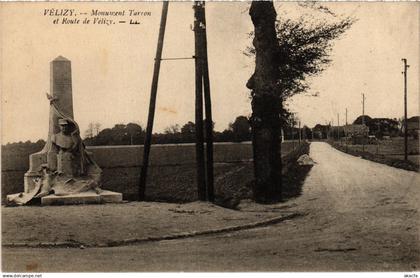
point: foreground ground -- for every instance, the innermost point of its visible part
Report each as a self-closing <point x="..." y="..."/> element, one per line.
<point x="358" y="216"/>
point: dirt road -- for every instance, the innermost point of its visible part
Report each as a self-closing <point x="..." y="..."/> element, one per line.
<point x="360" y="216"/>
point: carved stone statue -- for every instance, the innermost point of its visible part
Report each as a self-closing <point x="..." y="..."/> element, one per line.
<point x="66" y="146"/>
<point x="63" y="166"/>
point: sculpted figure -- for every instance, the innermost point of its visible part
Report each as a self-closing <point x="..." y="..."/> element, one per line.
<point x="66" y="146"/>
<point x="68" y="169"/>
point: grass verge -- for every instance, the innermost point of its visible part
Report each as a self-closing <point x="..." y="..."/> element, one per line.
<point x="393" y="162"/>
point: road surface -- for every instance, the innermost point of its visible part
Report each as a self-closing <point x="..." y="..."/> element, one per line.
<point x="360" y="216"/>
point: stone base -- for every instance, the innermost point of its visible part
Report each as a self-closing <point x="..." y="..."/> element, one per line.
<point x="89" y="197"/>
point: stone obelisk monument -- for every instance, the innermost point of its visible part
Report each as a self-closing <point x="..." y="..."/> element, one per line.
<point x="63" y="172"/>
<point x="61" y="91"/>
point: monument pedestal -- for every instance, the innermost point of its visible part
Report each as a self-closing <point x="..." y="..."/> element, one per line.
<point x="88" y="197"/>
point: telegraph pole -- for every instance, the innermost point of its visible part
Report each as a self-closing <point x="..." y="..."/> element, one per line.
<point x="363" y="109"/>
<point x="209" y="118"/>
<point x="405" y="109"/>
<point x="293" y="133"/>
<point x="152" y="104"/>
<point x="300" y="133"/>
<point x="201" y="78"/>
<point x="346" y="116"/>
<point x="199" y="131"/>
<point x="363" y="120"/>
<point x="338" y="126"/>
<point x="345" y="132"/>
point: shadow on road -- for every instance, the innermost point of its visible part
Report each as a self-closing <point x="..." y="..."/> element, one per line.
<point x="293" y="181"/>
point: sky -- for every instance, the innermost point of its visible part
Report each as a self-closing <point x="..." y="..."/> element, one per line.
<point x="112" y="66"/>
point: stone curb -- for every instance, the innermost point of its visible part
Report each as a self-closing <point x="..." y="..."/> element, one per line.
<point x="124" y="242"/>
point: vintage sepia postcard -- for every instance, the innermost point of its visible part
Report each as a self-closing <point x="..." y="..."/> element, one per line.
<point x="203" y="136"/>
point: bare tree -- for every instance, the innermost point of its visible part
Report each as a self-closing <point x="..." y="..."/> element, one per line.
<point x="97" y="128"/>
<point x="89" y="131"/>
<point x="172" y="129"/>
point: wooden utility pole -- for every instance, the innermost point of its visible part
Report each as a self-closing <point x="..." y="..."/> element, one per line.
<point x="346" y="116"/>
<point x="345" y="132"/>
<point x="207" y="105"/>
<point x="363" y="109"/>
<point x="152" y="104"/>
<point x="293" y="133"/>
<point x="199" y="131"/>
<point x="338" y="126"/>
<point x="363" y="120"/>
<point x="300" y="133"/>
<point x="405" y="109"/>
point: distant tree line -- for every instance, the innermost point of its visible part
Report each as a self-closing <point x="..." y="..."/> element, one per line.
<point x="133" y="134"/>
<point x="23" y="147"/>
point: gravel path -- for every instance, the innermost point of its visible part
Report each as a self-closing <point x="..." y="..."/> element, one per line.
<point x="360" y="216"/>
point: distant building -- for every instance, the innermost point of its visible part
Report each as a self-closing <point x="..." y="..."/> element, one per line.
<point x="383" y="127"/>
<point x="320" y="131"/>
<point x="378" y="126"/>
<point x="363" y="119"/>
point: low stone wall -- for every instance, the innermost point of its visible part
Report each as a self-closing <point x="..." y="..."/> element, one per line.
<point x="166" y="155"/>
<point x="171" y="174"/>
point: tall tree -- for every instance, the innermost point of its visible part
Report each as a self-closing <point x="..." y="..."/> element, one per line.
<point x="266" y="104"/>
<point x="188" y="128"/>
<point x="286" y="53"/>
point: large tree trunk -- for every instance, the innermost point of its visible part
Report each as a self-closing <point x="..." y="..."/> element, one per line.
<point x="266" y="105"/>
